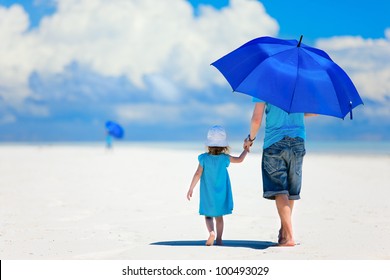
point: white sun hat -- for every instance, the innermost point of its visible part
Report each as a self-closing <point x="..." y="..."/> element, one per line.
<point x="216" y="137"/>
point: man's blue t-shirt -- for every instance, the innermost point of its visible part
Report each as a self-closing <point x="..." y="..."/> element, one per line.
<point x="279" y="124"/>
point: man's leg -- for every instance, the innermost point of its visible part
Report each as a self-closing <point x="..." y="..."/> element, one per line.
<point x="283" y="205"/>
<point x="280" y="236"/>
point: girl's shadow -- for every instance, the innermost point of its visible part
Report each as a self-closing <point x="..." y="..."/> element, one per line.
<point x="252" y="244"/>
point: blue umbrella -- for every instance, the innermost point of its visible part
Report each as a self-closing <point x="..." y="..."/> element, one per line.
<point x="290" y="75"/>
<point x="114" y="129"/>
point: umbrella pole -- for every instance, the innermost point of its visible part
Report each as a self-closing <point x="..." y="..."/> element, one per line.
<point x="300" y="40"/>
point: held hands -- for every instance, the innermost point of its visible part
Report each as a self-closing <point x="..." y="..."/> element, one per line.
<point x="247" y="145"/>
<point x="248" y="142"/>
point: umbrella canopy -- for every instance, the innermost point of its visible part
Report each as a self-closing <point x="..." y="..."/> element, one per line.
<point x="114" y="129"/>
<point x="290" y="75"/>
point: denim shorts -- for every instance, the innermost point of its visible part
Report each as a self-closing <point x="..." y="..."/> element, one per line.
<point x="282" y="168"/>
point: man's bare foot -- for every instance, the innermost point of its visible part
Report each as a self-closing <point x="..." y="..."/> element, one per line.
<point x="280" y="235"/>
<point x="283" y="240"/>
<point x="210" y="241"/>
<point x="286" y="242"/>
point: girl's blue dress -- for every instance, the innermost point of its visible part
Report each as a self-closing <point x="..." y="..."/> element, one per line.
<point x="215" y="190"/>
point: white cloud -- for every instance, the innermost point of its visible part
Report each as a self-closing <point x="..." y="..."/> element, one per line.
<point x="187" y="113"/>
<point x="15" y="55"/>
<point x="366" y="61"/>
<point x="387" y="33"/>
<point x="126" y="37"/>
<point x="381" y="113"/>
<point x="148" y="113"/>
<point x="160" y="46"/>
<point x="163" y="89"/>
<point x="7" y="119"/>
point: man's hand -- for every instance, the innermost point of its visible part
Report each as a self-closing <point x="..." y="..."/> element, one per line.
<point x="247" y="144"/>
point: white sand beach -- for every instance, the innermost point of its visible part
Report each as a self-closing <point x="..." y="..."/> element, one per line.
<point x="84" y="202"/>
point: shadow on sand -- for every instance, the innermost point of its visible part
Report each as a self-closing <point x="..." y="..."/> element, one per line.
<point x="259" y="245"/>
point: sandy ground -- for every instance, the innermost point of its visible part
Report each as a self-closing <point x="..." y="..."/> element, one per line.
<point x="84" y="202"/>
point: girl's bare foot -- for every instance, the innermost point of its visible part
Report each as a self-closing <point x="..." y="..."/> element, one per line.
<point x="210" y="241"/>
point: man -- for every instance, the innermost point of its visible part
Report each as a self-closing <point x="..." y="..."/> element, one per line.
<point x="283" y="152"/>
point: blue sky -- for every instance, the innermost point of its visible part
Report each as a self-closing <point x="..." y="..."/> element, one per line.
<point x="70" y="65"/>
<point x="324" y="18"/>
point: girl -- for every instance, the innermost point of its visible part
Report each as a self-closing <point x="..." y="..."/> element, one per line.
<point x="216" y="197"/>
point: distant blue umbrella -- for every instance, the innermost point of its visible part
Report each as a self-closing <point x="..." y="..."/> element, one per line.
<point x="291" y="75"/>
<point x="114" y="129"/>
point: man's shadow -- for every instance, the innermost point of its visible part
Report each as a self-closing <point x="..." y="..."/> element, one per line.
<point x="252" y="244"/>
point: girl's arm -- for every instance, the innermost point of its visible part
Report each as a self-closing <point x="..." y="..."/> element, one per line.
<point x="195" y="180"/>
<point x="240" y="158"/>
